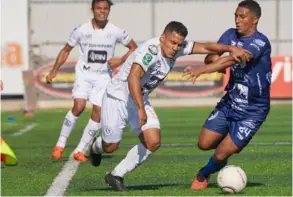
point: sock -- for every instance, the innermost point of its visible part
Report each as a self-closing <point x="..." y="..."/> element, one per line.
<point x="68" y="125"/>
<point x="212" y="167"/>
<point x="136" y="156"/>
<point x="97" y="146"/>
<point x="89" y="133"/>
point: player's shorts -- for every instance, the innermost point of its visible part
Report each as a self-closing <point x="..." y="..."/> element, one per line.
<point x="115" y="114"/>
<point x="241" y="131"/>
<point x="91" y="90"/>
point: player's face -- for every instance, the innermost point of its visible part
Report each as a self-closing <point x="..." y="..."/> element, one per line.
<point x="101" y="11"/>
<point x="245" y="21"/>
<point x="171" y="43"/>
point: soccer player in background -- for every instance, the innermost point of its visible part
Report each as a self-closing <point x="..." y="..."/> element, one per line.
<point x="126" y="98"/>
<point x="96" y="39"/>
<point x="246" y="104"/>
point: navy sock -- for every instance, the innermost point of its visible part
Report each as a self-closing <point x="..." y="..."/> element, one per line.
<point x="211" y="167"/>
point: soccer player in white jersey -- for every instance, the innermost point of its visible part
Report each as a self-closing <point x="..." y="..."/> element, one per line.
<point x="126" y="98"/>
<point x="96" y="39"/>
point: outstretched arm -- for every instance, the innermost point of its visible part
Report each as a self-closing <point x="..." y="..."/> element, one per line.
<point x="192" y="72"/>
<point x="239" y="54"/>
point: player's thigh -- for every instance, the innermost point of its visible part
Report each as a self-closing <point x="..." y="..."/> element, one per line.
<point x="152" y="118"/>
<point x="243" y="131"/>
<point x="81" y="89"/>
<point x="98" y="91"/>
<point x="214" y="129"/>
<point x="113" y="121"/>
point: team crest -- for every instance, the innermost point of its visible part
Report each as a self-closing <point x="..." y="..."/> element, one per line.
<point x="153" y="49"/>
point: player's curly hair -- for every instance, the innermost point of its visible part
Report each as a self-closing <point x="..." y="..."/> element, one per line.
<point x="177" y="27"/>
<point x="95" y="1"/>
<point x="251" y="5"/>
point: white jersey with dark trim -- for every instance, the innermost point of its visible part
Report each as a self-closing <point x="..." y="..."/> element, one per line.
<point x="96" y="47"/>
<point x="156" y="68"/>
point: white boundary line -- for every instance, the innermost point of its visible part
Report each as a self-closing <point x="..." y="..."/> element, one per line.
<point x="62" y="181"/>
<point x="26" y="129"/>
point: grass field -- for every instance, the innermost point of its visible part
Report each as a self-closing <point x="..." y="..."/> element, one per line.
<point x="267" y="161"/>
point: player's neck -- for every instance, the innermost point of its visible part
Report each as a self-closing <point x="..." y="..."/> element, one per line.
<point x="99" y="24"/>
<point x="248" y="33"/>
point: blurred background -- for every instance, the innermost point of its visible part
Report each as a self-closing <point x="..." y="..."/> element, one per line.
<point x="34" y="31"/>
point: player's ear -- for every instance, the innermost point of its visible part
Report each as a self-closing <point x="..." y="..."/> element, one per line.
<point x="255" y="20"/>
<point x="162" y="38"/>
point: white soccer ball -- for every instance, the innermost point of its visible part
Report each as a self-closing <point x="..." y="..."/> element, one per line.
<point x="232" y="179"/>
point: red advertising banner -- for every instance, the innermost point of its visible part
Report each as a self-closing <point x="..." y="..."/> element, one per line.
<point x="281" y="77"/>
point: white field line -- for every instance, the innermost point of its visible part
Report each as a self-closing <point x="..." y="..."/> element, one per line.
<point x="62" y="181"/>
<point x="26" y="129"/>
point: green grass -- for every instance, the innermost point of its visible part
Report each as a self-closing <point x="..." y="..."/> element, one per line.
<point x="168" y="172"/>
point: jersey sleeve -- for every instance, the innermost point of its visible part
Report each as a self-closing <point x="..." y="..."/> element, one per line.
<point x="257" y="47"/>
<point x="225" y="37"/>
<point x="186" y="49"/>
<point x="146" y="57"/>
<point x="74" y="37"/>
<point x="123" y="37"/>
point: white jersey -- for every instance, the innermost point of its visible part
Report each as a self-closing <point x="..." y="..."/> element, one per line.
<point x="156" y="68"/>
<point x="96" y="47"/>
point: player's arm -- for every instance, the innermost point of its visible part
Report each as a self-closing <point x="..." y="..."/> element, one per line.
<point x="195" y="71"/>
<point x="61" y="58"/>
<point x="134" y="78"/>
<point x="131" y="47"/>
<point x="239" y="54"/>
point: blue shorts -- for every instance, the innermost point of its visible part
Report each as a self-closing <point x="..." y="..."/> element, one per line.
<point x="241" y="131"/>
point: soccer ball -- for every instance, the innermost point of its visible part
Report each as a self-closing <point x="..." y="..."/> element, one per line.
<point x="232" y="179"/>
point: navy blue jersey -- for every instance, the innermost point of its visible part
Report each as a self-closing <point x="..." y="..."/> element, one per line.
<point x="248" y="89"/>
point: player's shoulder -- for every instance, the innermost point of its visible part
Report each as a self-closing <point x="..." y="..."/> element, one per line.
<point x="261" y="39"/>
<point x="113" y="27"/>
<point x="82" y="26"/>
<point x="151" y="46"/>
<point x="230" y="31"/>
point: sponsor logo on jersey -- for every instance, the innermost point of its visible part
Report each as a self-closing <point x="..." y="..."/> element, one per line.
<point x="259" y="42"/>
<point x="147" y="58"/>
<point x="97" y="56"/>
<point x="153" y="49"/>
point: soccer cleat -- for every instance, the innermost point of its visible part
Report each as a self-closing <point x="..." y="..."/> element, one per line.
<point x="115" y="182"/>
<point x="79" y="156"/>
<point x="57" y="152"/>
<point x="199" y="182"/>
<point x="94" y="157"/>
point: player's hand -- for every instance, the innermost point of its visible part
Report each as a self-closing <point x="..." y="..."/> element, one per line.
<point x="191" y="72"/>
<point x="142" y="116"/>
<point x="115" y="62"/>
<point x="241" y="55"/>
<point x="51" y="76"/>
<point x="1" y="85"/>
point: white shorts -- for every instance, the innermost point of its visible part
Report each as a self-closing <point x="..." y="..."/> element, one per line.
<point x="91" y="90"/>
<point x="116" y="114"/>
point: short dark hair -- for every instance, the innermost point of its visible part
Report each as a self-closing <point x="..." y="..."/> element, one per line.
<point x="177" y="27"/>
<point x="96" y="1"/>
<point x="251" y="5"/>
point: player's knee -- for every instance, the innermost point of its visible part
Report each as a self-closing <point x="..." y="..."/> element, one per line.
<point x="154" y="145"/>
<point x="95" y="116"/>
<point x="78" y="109"/>
<point x="203" y="146"/>
<point x="110" y="147"/>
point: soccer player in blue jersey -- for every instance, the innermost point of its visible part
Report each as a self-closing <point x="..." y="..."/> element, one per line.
<point x="246" y="104"/>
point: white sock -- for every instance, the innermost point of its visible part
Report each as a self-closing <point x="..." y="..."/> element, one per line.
<point x="97" y="146"/>
<point x="89" y="133"/>
<point x="68" y="125"/>
<point x="136" y="156"/>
